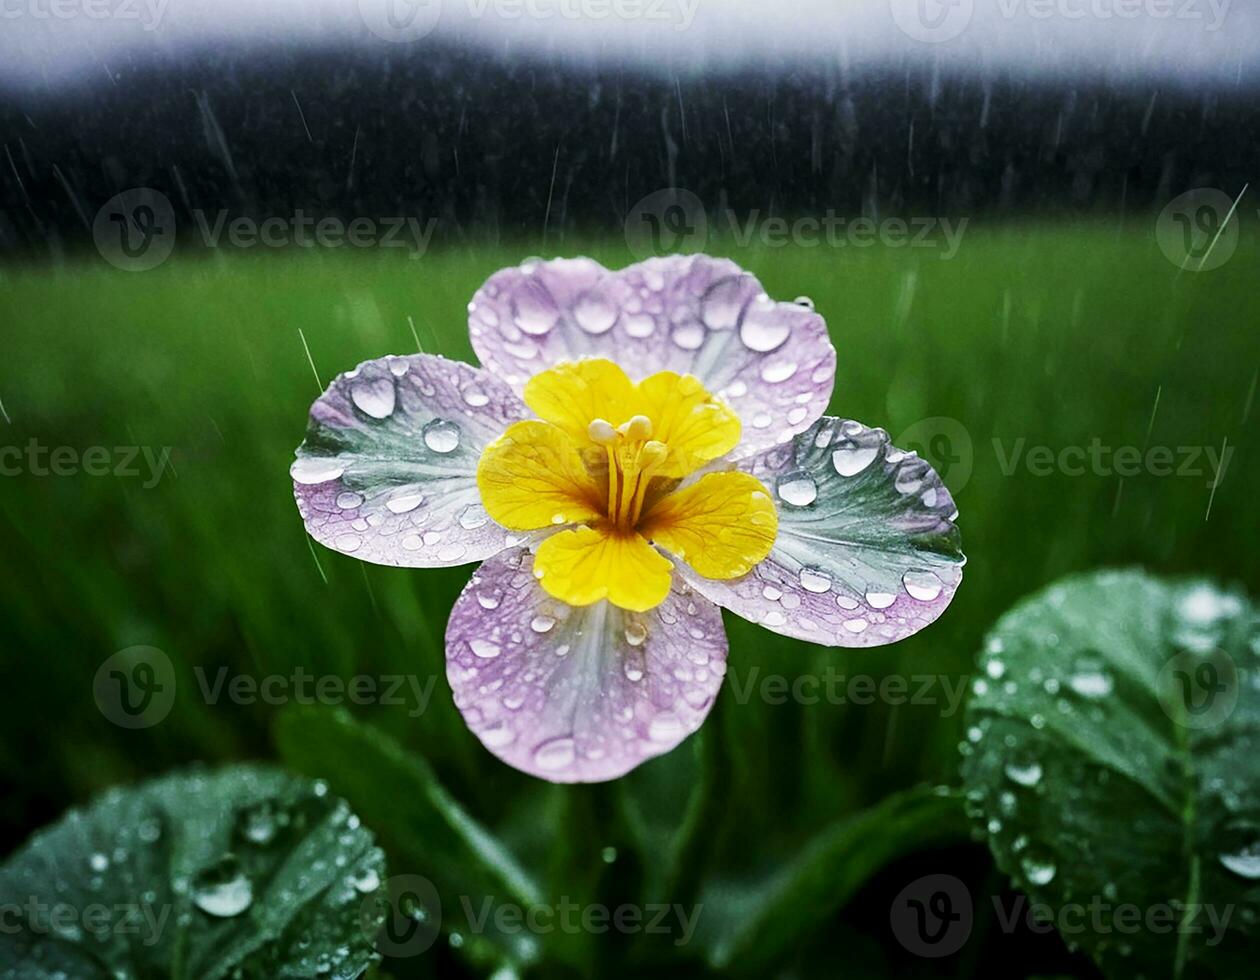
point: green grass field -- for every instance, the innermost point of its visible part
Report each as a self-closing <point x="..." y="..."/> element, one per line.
<point x="1052" y="335"/>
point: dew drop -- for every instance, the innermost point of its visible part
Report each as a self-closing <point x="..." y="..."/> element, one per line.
<point x="404" y="502"/>
<point x="880" y="600"/>
<point x="636" y="633"/>
<point x="484" y="649"/>
<point x="594" y="313"/>
<point x="542" y="623"/>
<point x="310" y="470"/>
<point x="349" y="500"/>
<point x="798" y="489"/>
<point x="223" y="890"/>
<point x="1245" y="861"/>
<point x="374" y="397"/>
<point x="922" y="585"/>
<point x="555" y="754"/>
<point x="815" y="580"/>
<point x="1090" y="680"/>
<point x="1028" y="774"/>
<point x="441" y="436"/>
<point x="852" y="460"/>
<point x="534" y="312"/>
<point x="1037" y="871"/>
<point x="774" y="372"/>
<point x="764" y="328"/>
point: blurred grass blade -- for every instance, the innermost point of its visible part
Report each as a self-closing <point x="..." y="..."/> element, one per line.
<point x="747" y="926"/>
<point x="419" y="823"/>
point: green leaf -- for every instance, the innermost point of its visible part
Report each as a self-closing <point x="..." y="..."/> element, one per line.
<point x="246" y="872"/>
<point x="420" y="824"/>
<point x="748" y="925"/>
<point x="1113" y="760"/>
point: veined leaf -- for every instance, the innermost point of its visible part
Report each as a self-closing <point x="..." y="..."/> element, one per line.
<point x="247" y="872"/>
<point x="1113" y="760"/>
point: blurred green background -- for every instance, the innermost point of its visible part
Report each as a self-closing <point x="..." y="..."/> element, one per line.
<point x="1054" y="335"/>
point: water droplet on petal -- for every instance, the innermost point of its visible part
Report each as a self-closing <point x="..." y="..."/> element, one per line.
<point x="542" y="623"/>
<point x="852" y="460"/>
<point x="764" y="328"/>
<point x="922" y="585"/>
<point x="636" y="633"/>
<point x="441" y="436"/>
<point x="555" y="754"/>
<point x="310" y="470"/>
<point x="374" y="397"/>
<point x="815" y="580"/>
<point x="798" y="489"/>
<point x="484" y="649"/>
<point x="594" y="313"/>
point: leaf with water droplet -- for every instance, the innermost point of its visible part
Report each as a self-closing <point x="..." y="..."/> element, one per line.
<point x="235" y="873"/>
<point x="1119" y="761"/>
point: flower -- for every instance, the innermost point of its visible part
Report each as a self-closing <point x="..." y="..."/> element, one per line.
<point x="641" y="449"/>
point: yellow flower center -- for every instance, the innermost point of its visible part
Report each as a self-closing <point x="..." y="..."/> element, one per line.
<point x="610" y="458"/>
<point x="633" y="457"/>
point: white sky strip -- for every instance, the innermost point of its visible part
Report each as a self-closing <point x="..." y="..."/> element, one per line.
<point x="43" y="42"/>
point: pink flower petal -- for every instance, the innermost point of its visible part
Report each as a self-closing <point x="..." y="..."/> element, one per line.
<point x="387" y="472"/>
<point x="867" y="551"/>
<point x="579" y="694"/>
<point x="772" y="362"/>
